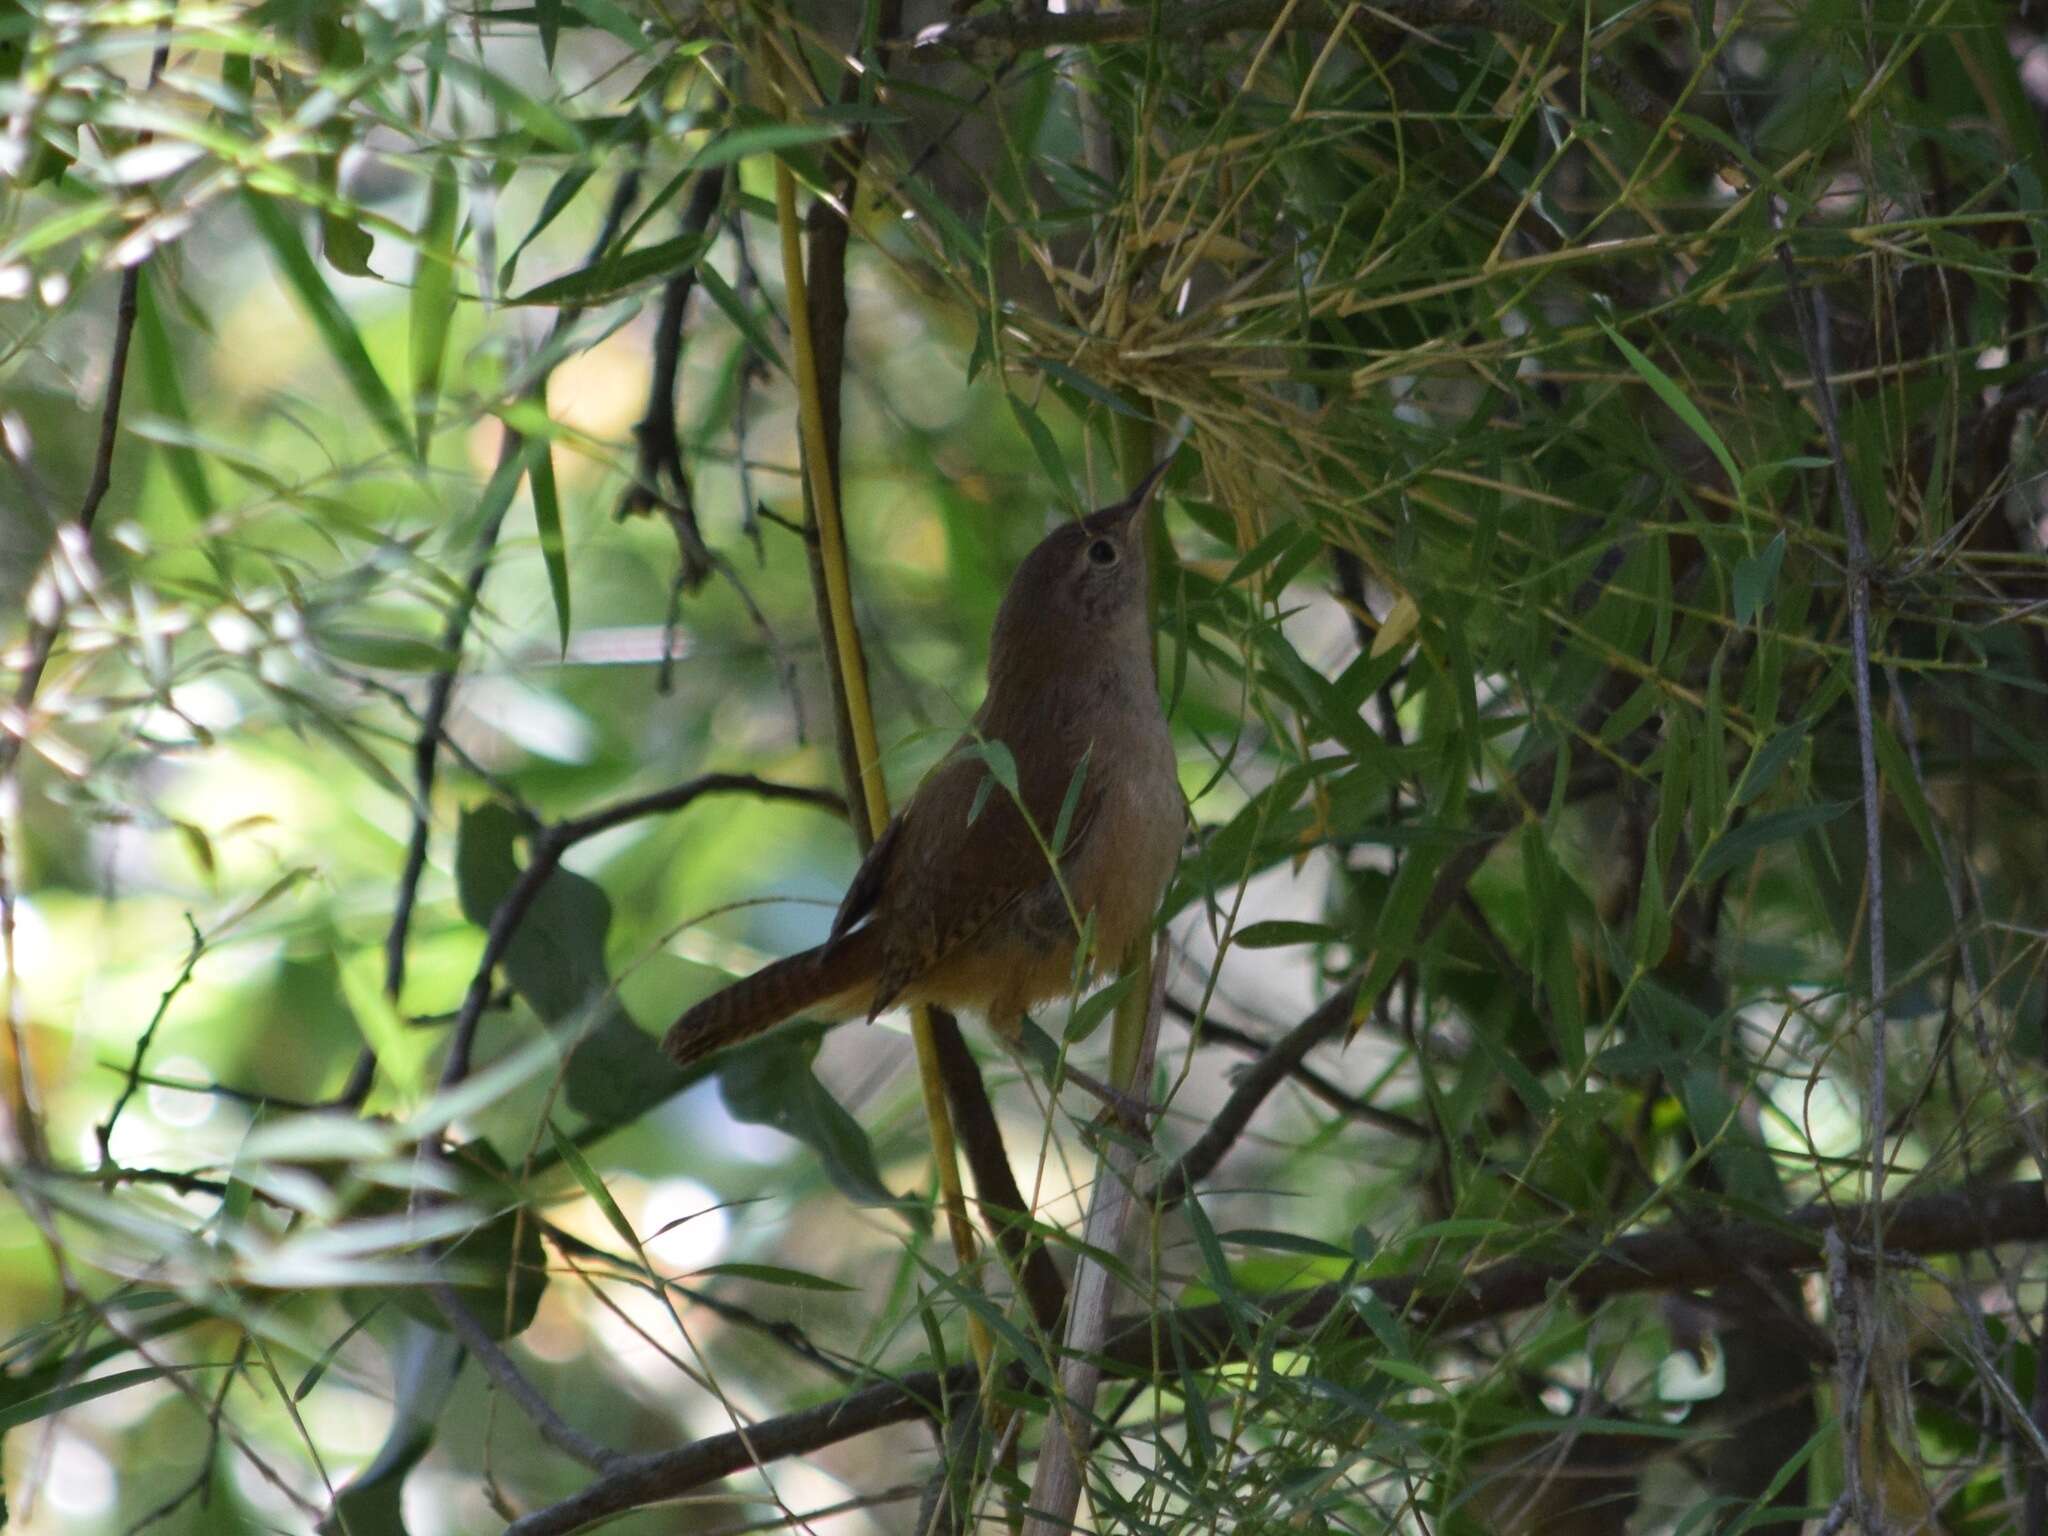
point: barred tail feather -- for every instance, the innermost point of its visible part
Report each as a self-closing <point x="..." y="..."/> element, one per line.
<point x="835" y="980"/>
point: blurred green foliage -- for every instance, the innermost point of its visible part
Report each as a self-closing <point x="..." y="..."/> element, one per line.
<point x="1505" y="597"/>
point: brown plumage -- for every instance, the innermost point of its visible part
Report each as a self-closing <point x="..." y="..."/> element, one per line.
<point x="957" y="903"/>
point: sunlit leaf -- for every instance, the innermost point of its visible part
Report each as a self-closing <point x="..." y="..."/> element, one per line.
<point x="330" y="319"/>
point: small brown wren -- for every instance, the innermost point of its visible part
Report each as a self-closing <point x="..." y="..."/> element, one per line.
<point x="957" y="903"/>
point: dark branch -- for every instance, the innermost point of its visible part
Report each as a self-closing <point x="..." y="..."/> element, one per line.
<point x="1705" y="1255"/>
<point x="661" y="480"/>
<point x="1333" y="1094"/>
<point x="1002" y="1203"/>
<point x="513" y="1383"/>
<point x="1257" y="1081"/>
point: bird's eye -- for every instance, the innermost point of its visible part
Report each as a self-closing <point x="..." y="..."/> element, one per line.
<point x="1102" y="552"/>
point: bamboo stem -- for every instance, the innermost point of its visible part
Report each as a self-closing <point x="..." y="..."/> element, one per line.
<point x="873" y="792"/>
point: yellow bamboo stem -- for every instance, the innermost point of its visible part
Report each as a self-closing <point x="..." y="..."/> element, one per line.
<point x="860" y="710"/>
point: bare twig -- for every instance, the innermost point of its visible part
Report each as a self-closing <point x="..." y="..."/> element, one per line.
<point x="131" y="1079"/>
<point x="512" y="1382"/>
<point x="1955" y="1221"/>
<point x="780" y="1330"/>
<point x="1809" y="314"/>
<point x="1253" y="1085"/>
<point x="661" y="480"/>
<point x="201" y="1483"/>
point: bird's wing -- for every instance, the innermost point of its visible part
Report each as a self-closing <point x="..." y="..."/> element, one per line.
<point x="955" y="866"/>
<point x="868" y="880"/>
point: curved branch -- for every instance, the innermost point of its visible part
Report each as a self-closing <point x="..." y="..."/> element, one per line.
<point x="554" y="841"/>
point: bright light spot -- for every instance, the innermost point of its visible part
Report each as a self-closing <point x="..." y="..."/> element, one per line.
<point x="15" y="281"/>
<point x="437" y="1503"/>
<point x="180" y="1107"/>
<point x="2033" y="71"/>
<point x="1681" y="1379"/>
<point x="81" y="1479"/>
<point x="31" y="939"/>
<point x="234" y="632"/>
<point x="697" y="1227"/>
<point x="208" y="703"/>
<point x="702" y="1112"/>
<point x="536" y="721"/>
<point x="53" y="289"/>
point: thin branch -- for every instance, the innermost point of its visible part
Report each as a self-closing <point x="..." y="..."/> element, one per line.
<point x="780" y="1330"/>
<point x="1346" y="1103"/>
<point x="1286" y="1054"/>
<point x="552" y="842"/>
<point x="201" y="1483"/>
<point x="131" y="1079"/>
<point x="1808" y="311"/>
<point x="513" y="1383"/>
<point x="1253" y="1085"/>
<point x="1957" y="1220"/>
<point x="42" y="639"/>
<point x="661" y="481"/>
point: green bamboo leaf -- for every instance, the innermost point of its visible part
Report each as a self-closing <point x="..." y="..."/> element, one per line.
<point x="1759" y="832"/>
<point x="762" y="138"/>
<point x="41" y="1404"/>
<point x="328" y="1355"/>
<point x="774" y="1274"/>
<point x="1279" y="934"/>
<point x="547" y="516"/>
<point x="615" y="276"/>
<point x="1042" y="444"/>
<point x="743" y="320"/>
<point x="1768" y="762"/>
<point x="1069" y="803"/>
<point x="560" y="196"/>
<point x="433" y="297"/>
<point x="167" y="395"/>
<point x="1667" y="390"/>
<point x="1282" y="1242"/>
<point x="615" y="19"/>
<point x="1088" y="1015"/>
<point x="336" y="329"/>
<point x="1756" y="579"/>
<point x="593" y="1186"/>
<point x="529" y="112"/>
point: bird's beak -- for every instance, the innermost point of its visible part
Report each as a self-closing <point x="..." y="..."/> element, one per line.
<point x="1136" y="502"/>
